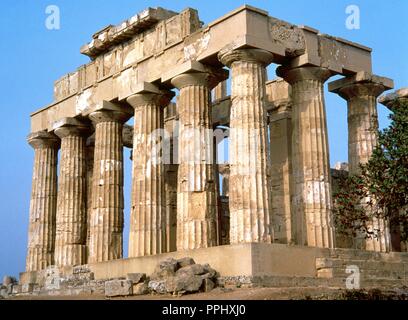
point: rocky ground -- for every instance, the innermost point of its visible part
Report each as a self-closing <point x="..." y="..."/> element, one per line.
<point x="251" y="294"/>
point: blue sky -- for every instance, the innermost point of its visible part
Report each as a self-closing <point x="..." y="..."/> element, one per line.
<point x="33" y="57"/>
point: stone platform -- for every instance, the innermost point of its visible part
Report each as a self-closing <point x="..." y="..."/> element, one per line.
<point x="244" y="265"/>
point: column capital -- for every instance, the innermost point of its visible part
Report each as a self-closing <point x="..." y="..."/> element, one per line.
<point x="71" y="127"/>
<point x="393" y="99"/>
<point x="147" y="93"/>
<point x="195" y="73"/>
<point x="206" y="79"/>
<point x="293" y="75"/>
<point x="228" y="56"/>
<point x="110" y="112"/>
<point x="360" y="84"/>
<point x="43" y="139"/>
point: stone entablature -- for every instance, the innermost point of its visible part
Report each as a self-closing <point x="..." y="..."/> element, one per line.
<point x="111" y="36"/>
<point x="147" y="56"/>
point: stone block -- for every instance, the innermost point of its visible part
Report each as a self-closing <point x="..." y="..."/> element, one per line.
<point x="52" y="283"/>
<point x="81" y="269"/>
<point x="136" y="277"/>
<point x="208" y="285"/>
<point x="97" y="286"/>
<point x="184" y="283"/>
<point x="17" y="289"/>
<point x="118" y="288"/>
<point x="27" y="288"/>
<point x="209" y="272"/>
<point x="158" y="286"/>
<point x="194" y="269"/>
<point x="164" y="269"/>
<point x="323" y="263"/>
<point x="184" y="262"/>
<point x="140" y="289"/>
<point x="325" y="273"/>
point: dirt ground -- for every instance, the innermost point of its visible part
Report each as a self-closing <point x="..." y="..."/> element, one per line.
<point x="218" y="294"/>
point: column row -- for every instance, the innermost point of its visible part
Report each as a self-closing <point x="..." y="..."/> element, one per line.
<point x="58" y="220"/>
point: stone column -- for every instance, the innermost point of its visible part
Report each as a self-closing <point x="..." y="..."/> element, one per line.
<point x="90" y="149"/>
<point x="312" y="200"/>
<point x="220" y="91"/>
<point x="106" y="222"/>
<point x="392" y="101"/>
<point x="171" y="172"/>
<point x="224" y="227"/>
<point x="249" y="187"/>
<point x="43" y="204"/>
<point x="71" y="219"/>
<point x="279" y="98"/>
<point x="361" y="92"/>
<point x="148" y="213"/>
<point x="280" y="131"/>
<point x="196" y="197"/>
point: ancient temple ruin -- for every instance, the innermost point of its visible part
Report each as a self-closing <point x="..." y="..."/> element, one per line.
<point x="270" y="213"/>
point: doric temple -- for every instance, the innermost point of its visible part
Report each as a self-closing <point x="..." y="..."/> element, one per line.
<point x="265" y="211"/>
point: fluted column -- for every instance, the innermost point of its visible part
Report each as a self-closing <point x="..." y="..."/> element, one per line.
<point x="148" y="213"/>
<point x="43" y="203"/>
<point x="312" y="200"/>
<point x="361" y="92"/>
<point x="220" y="91"/>
<point x="249" y="183"/>
<point x="106" y="222"/>
<point x="170" y="175"/>
<point x="90" y="149"/>
<point x="196" y="194"/>
<point x="71" y="218"/>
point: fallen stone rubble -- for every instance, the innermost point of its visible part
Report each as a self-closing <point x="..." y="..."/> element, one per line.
<point x="171" y="276"/>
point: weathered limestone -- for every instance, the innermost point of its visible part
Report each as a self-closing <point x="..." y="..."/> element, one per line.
<point x="131" y="51"/>
<point x="249" y="196"/>
<point x="224" y="171"/>
<point x="196" y="198"/>
<point x="89" y="154"/>
<point x="223" y="206"/>
<point x="43" y="203"/>
<point x="312" y="200"/>
<point x="108" y="37"/>
<point x="275" y="190"/>
<point x="361" y="92"/>
<point x="220" y="91"/>
<point x="71" y="219"/>
<point x="280" y="131"/>
<point x="393" y="99"/>
<point x="148" y="212"/>
<point x="106" y="221"/>
<point x="170" y="178"/>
